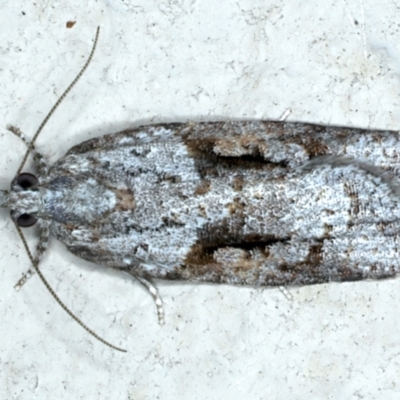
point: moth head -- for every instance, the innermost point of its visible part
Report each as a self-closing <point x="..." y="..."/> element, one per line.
<point x="23" y="199"/>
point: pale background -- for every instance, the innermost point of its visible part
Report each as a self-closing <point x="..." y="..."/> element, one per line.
<point x="330" y="62"/>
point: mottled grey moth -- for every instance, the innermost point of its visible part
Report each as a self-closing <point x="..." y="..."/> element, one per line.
<point x="261" y="203"/>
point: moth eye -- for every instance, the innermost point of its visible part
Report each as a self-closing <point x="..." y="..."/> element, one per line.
<point x="26" y="220"/>
<point x="27" y="181"/>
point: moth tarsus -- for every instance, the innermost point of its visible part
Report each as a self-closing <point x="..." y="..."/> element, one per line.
<point x="258" y="203"/>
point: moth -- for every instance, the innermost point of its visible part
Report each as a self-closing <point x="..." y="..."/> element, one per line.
<point x="260" y="203"/>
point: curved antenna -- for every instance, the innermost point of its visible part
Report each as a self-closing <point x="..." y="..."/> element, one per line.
<point x="45" y="233"/>
<point x="35" y="263"/>
<point x="58" y="102"/>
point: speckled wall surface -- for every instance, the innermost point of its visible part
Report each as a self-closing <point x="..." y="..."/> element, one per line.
<point x="327" y="62"/>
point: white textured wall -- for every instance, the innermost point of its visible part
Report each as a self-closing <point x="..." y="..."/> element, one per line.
<point x="330" y="62"/>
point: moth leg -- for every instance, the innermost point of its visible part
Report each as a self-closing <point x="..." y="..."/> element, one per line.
<point x="156" y="297"/>
<point x="286" y="293"/>
<point x="285" y="115"/>
<point x="38" y="158"/>
<point x="24" y="279"/>
<point x="41" y="248"/>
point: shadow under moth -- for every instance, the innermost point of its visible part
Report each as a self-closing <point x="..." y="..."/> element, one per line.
<point x="260" y="203"/>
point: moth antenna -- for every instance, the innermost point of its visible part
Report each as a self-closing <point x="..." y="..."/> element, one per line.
<point x="41" y="164"/>
<point x="35" y="263"/>
<point x="58" y="102"/>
